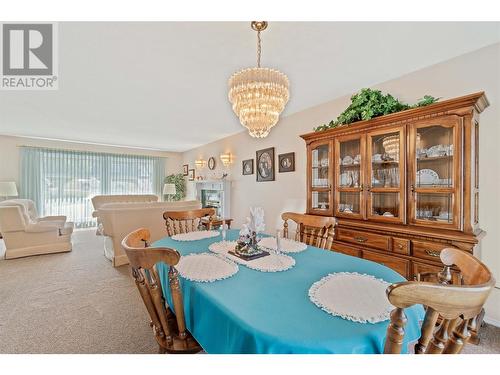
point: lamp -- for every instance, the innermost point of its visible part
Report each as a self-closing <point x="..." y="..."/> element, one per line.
<point x="200" y="163"/>
<point x="225" y="159"/>
<point x="258" y="95"/>
<point x="8" y="189"/>
<point x="169" y="190"/>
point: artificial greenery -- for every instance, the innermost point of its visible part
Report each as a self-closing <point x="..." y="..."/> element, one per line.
<point x="180" y="185"/>
<point x="368" y="104"/>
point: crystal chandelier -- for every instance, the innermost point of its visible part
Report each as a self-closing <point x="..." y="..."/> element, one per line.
<point x="258" y="95"/>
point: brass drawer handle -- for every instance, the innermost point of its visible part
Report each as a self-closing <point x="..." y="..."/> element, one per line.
<point x="433" y="253"/>
<point x="400" y="246"/>
<point x="361" y="239"/>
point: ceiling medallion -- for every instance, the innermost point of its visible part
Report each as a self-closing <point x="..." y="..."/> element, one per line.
<point x="258" y="95"/>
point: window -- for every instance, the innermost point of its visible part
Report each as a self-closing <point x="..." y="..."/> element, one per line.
<point x="63" y="182"/>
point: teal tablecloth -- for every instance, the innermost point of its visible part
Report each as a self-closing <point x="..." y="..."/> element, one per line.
<point x="259" y="312"/>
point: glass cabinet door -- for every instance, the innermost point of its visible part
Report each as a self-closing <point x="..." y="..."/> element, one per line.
<point x="349" y="159"/>
<point x="435" y="177"/>
<point x="386" y="164"/>
<point x="320" y="184"/>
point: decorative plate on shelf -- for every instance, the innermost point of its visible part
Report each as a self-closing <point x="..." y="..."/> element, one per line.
<point x="347" y="160"/>
<point x="427" y="177"/>
<point x="435" y="151"/>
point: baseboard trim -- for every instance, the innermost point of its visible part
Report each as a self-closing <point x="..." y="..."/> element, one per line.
<point x="491" y="321"/>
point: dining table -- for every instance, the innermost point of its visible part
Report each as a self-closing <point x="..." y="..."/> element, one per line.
<point x="270" y="312"/>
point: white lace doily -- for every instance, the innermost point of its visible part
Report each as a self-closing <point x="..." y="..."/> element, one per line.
<point x="271" y="263"/>
<point x="197" y="235"/>
<point x="352" y="296"/>
<point x="206" y="267"/>
<point x="287" y="245"/>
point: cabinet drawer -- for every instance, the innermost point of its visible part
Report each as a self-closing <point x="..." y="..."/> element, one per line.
<point x="401" y="246"/>
<point x="399" y="265"/>
<point x="347" y="250"/>
<point x="427" y="250"/>
<point x="419" y="268"/>
<point x="377" y="241"/>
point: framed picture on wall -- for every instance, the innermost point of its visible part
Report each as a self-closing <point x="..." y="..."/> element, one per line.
<point x="265" y="164"/>
<point x="185" y="169"/>
<point x="247" y="167"/>
<point x="286" y="162"/>
<point x="191" y="175"/>
<point x="211" y="163"/>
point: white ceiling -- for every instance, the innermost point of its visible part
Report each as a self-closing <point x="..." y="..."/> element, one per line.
<point x="164" y="85"/>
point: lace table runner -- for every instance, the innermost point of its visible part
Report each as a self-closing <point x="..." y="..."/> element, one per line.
<point x="352" y="296"/>
<point x="271" y="263"/>
<point x="206" y="267"/>
<point x="194" y="236"/>
<point x="287" y="245"/>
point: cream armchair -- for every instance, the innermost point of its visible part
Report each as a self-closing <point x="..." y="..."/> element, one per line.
<point x="27" y="234"/>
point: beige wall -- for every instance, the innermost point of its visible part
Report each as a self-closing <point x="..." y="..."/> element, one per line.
<point x="477" y="71"/>
<point x="9" y="154"/>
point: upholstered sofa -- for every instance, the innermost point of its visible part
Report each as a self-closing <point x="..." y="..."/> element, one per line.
<point x="119" y="219"/>
<point x="99" y="200"/>
<point x="27" y="234"/>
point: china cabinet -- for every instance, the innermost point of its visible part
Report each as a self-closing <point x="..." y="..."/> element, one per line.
<point x="402" y="186"/>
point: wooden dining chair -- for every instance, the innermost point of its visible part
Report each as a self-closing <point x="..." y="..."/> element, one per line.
<point x="187" y="221"/>
<point x="169" y="329"/>
<point x="455" y="305"/>
<point x="313" y="230"/>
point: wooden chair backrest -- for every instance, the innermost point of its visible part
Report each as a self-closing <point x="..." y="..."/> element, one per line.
<point x="313" y="230"/>
<point x="143" y="259"/>
<point x="187" y="221"/>
<point x="457" y="305"/>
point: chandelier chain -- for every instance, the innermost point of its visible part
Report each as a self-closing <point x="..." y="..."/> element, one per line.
<point x="259" y="50"/>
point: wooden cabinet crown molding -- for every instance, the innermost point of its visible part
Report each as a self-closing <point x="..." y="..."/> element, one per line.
<point x="459" y="106"/>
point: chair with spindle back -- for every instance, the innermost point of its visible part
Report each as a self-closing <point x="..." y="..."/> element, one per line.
<point x="312" y="230"/>
<point x="457" y="305"/>
<point x="169" y="330"/>
<point x="187" y="221"/>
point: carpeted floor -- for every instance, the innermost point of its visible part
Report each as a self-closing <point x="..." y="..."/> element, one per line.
<point x="71" y="303"/>
<point x="78" y="303"/>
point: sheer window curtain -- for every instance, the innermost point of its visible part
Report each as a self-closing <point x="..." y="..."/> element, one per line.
<point x="63" y="182"/>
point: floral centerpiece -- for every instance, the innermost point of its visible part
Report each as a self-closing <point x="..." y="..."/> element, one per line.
<point x="247" y="241"/>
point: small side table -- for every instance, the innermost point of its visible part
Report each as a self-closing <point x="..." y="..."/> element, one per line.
<point x="216" y="223"/>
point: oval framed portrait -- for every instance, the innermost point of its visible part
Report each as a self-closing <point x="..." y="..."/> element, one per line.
<point x="265" y="164"/>
<point x="211" y="163"/>
<point x="286" y="162"/>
